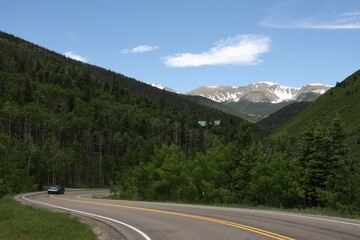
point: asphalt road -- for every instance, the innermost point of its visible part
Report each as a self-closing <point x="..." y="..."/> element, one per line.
<point x="158" y="221"/>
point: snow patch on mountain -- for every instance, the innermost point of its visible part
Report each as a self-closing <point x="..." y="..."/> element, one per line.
<point x="157" y="86"/>
<point x="319" y="91"/>
<point x="161" y="87"/>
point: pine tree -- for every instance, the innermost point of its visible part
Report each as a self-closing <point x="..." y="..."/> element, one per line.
<point x="309" y="164"/>
<point x="339" y="166"/>
<point x="323" y="160"/>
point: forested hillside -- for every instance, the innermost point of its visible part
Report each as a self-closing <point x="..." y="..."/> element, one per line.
<point x="67" y="122"/>
<point x="60" y="117"/>
<point x="343" y="102"/>
<point x="282" y="116"/>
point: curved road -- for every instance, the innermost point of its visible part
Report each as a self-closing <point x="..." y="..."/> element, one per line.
<point x="158" y="221"/>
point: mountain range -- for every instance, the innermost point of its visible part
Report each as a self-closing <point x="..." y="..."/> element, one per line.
<point x="261" y="92"/>
<point x="258" y="100"/>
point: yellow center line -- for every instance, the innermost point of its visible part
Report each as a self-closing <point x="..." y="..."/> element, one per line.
<point x="214" y="220"/>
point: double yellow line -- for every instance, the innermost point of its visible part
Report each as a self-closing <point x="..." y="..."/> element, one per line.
<point x="214" y="220"/>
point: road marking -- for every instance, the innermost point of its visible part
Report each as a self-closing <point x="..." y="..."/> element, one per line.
<point x="214" y="220"/>
<point x="310" y="217"/>
<point x="146" y="237"/>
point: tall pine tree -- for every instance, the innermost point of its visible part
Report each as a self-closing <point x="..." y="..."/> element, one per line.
<point x="322" y="157"/>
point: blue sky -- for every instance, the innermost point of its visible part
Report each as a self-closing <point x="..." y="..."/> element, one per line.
<point x="190" y="43"/>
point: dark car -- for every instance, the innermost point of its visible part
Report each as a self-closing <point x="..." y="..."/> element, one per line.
<point x="58" y="189"/>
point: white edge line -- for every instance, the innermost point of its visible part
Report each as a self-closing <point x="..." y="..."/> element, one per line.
<point x="86" y="213"/>
<point x="308" y="217"/>
<point x="320" y="219"/>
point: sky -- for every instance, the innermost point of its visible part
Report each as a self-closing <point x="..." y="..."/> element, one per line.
<point x="185" y="44"/>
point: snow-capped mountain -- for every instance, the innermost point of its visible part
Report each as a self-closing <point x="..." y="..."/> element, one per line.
<point x="258" y="100"/>
<point x="261" y="92"/>
<point x="161" y="87"/>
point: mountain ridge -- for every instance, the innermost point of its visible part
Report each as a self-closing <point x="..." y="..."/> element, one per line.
<point x="261" y="92"/>
<point x="255" y="101"/>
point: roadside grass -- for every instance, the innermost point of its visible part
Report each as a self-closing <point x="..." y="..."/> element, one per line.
<point x="22" y="222"/>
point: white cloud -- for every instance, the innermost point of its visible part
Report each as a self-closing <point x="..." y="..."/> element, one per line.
<point x="140" y="49"/>
<point x="335" y="21"/>
<point x="77" y="57"/>
<point x="240" y="50"/>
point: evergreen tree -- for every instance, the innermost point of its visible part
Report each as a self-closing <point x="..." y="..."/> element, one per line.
<point x="246" y="154"/>
<point x="340" y="168"/>
<point x="322" y="157"/>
